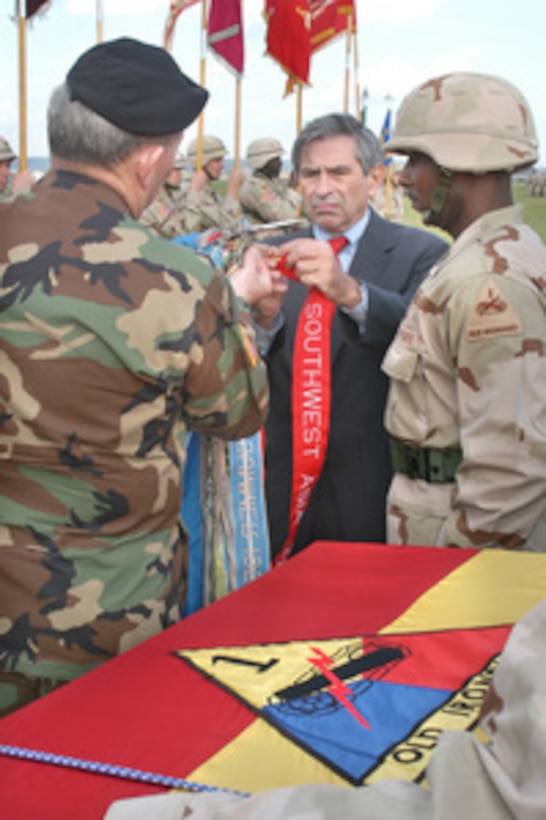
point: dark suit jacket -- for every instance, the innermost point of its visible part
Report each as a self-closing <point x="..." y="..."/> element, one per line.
<point x="348" y="501"/>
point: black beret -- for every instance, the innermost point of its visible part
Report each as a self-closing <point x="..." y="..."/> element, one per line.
<point x="136" y="86"/>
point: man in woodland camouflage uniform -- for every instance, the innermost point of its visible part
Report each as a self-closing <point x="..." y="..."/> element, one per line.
<point x="164" y="215"/>
<point x="467" y="367"/>
<point x="265" y="197"/>
<point x="112" y="341"/>
<point x="204" y="207"/>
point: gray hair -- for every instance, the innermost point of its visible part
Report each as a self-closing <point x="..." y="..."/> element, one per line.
<point x="368" y="151"/>
<point x="78" y="134"/>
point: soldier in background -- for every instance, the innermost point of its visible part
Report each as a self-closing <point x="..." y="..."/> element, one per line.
<point x="468" y="387"/>
<point x="265" y="196"/>
<point x="11" y="184"/>
<point x="165" y="215"/>
<point x="204" y="207"/>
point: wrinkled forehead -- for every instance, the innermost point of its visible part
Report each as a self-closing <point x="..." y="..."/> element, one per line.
<point x="330" y="152"/>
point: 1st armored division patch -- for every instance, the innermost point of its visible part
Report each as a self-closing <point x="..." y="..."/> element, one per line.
<point x="370" y="706"/>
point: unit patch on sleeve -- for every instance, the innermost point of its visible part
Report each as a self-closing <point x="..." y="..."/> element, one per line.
<point x="492" y="315"/>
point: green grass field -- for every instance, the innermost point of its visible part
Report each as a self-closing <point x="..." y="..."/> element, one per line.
<point x="534" y="209"/>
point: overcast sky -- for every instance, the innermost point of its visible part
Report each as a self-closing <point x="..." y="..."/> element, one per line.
<point x="400" y="43"/>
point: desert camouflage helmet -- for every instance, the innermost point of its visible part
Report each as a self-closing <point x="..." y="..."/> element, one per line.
<point x="260" y="151"/>
<point x="213" y="148"/>
<point x="7" y="153"/>
<point x="467" y="122"/>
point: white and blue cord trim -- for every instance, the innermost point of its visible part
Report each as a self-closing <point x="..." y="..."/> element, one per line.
<point x="123" y="772"/>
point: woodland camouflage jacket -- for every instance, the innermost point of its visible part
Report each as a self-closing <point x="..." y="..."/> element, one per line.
<point x="112" y="342"/>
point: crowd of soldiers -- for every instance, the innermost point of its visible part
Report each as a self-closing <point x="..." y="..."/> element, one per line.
<point x="191" y="200"/>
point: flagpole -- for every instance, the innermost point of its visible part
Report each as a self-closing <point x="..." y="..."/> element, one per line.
<point x="202" y="80"/>
<point x="100" y="21"/>
<point x="21" y="22"/>
<point x="237" y="141"/>
<point x="347" y="61"/>
<point x="299" y="106"/>
<point x="237" y="137"/>
<point x="389" y="169"/>
<point x="356" y="64"/>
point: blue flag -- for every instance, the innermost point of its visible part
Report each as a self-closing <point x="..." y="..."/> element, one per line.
<point x="385" y="135"/>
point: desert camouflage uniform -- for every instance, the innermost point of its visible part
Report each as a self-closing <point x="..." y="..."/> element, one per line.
<point x="164" y="215"/>
<point x="7" y="155"/>
<point x="208" y="209"/>
<point x="468" y="371"/>
<point x="268" y="200"/>
<point x="112" y="341"/>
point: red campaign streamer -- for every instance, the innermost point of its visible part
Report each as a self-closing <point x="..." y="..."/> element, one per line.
<point x="311" y="398"/>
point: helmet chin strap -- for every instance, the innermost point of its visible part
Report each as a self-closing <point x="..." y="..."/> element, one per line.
<point x="432" y="216"/>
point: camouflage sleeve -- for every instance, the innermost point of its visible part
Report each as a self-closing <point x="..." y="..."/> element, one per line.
<point x="164" y="218"/>
<point x="238" y="381"/>
<point x="207" y="337"/>
<point x="270" y="205"/>
<point x="194" y="203"/>
<point x="203" y="210"/>
<point x="230" y="212"/>
<point x="496" y="335"/>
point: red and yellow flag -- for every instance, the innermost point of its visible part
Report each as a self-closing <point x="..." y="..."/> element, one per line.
<point x="329" y="18"/>
<point x="348" y="679"/>
<point x="288" y="36"/>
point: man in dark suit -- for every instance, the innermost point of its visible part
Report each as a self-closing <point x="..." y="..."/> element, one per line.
<point x="327" y="458"/>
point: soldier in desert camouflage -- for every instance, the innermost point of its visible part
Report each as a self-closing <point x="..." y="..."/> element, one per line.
<point x="467" y="367"/>
<point x="265" y="195"/>
<point x="164" y="215"/>
<point x="113" y="341"/>
<point x="204" y="206"/>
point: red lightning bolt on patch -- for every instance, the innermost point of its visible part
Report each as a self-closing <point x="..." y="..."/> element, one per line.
<point x="338" y="689"/>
